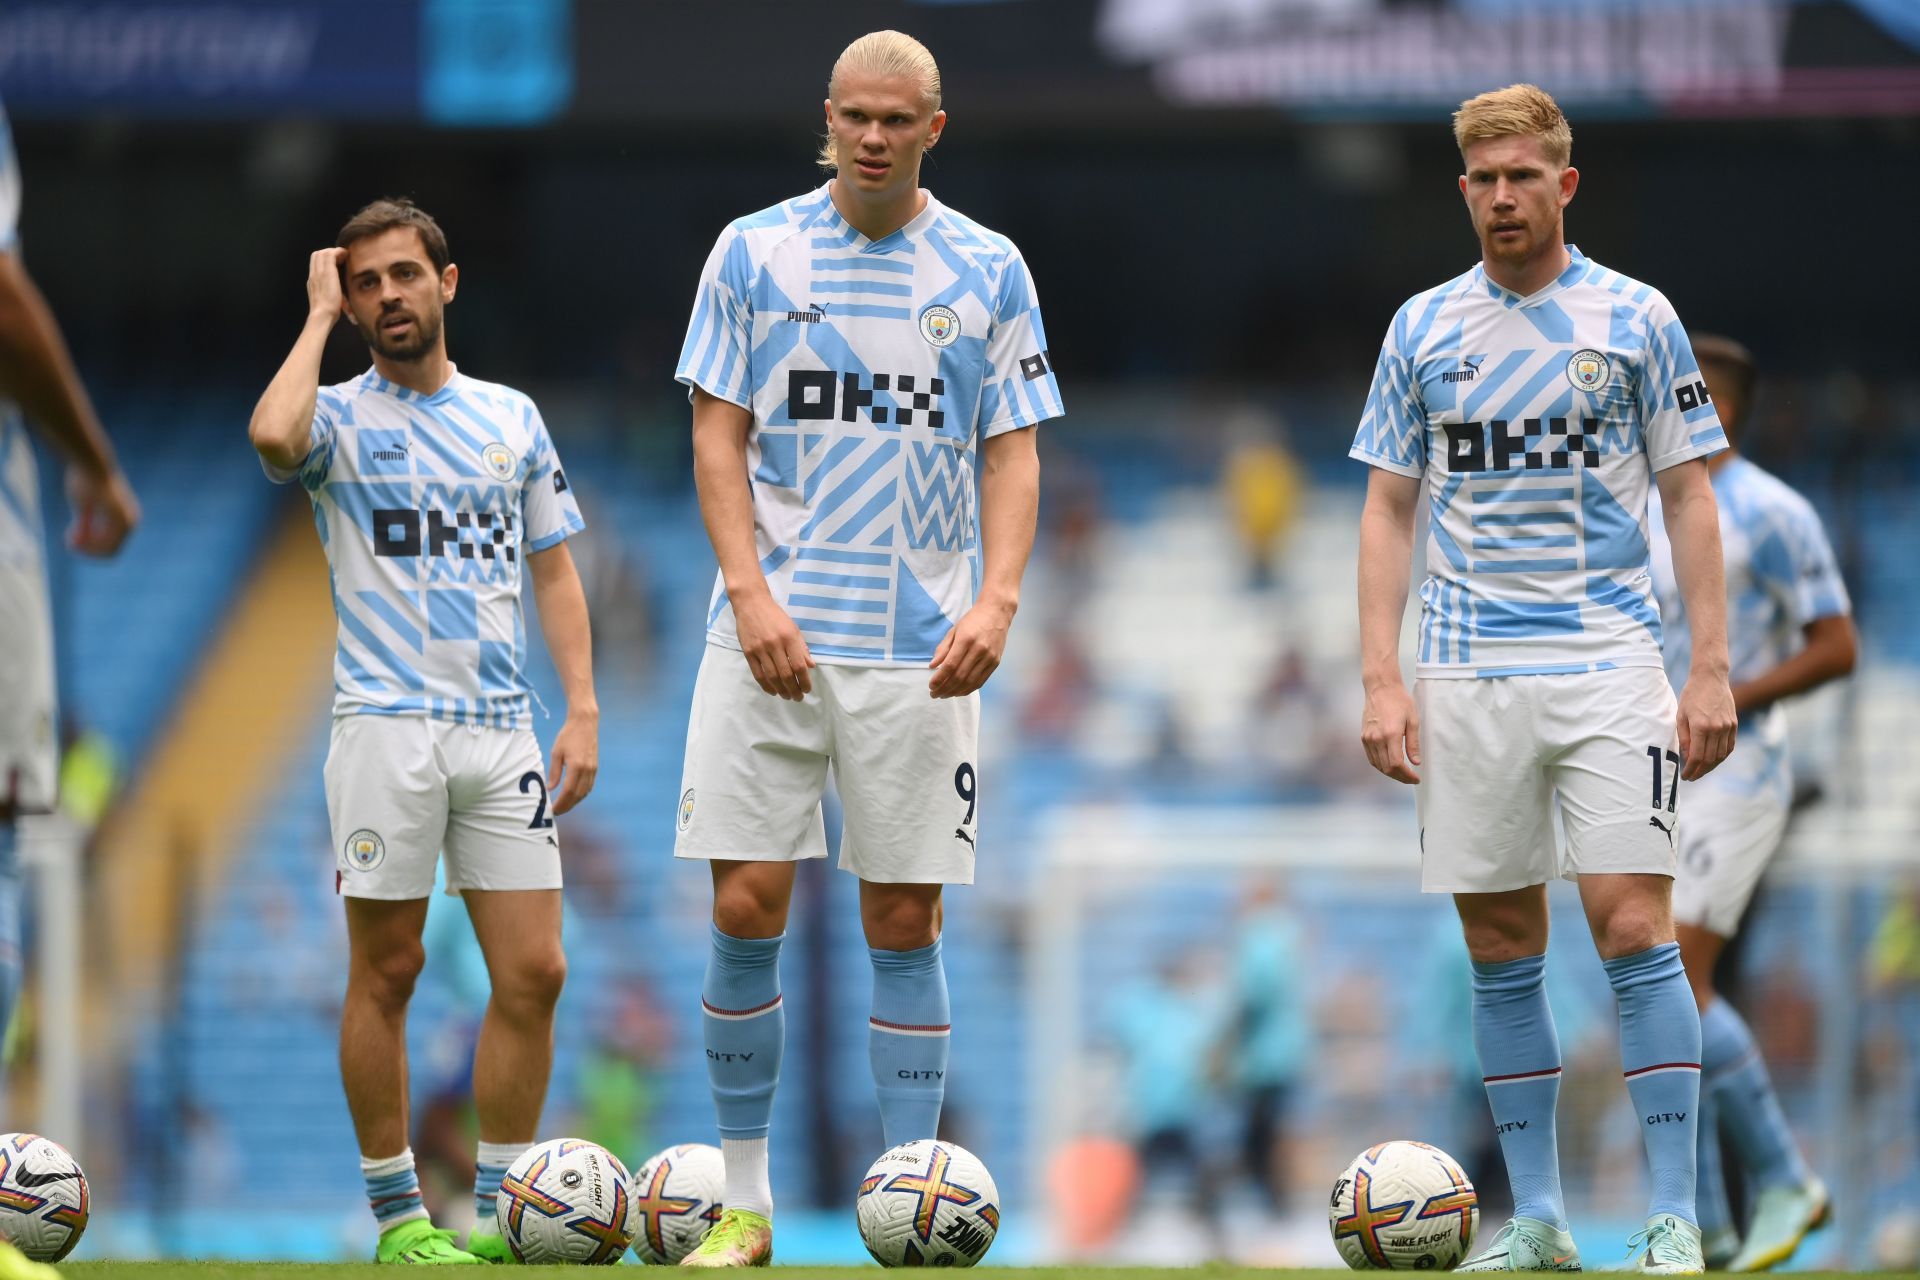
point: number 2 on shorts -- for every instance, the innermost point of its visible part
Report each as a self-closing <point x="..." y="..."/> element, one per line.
<point x="541" y="820"/>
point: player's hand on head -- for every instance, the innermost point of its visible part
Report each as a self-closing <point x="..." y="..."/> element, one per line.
<point x="970" y="653"/>
<point x="775" y="650"/>
<point x="1708" y="726"/>
<point x="325" y="293"/>
<point x="575" y="763"/>
<point x="104" y="511"/>
<point x="1390" y="732"/>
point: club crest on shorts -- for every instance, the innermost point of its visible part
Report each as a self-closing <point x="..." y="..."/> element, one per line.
<point x="366" y="850"/>
<point x="1588" y="370"/>
<point x="499" y="460"/>
<point x="686" y="809"/>
<point x="940" y="325"/>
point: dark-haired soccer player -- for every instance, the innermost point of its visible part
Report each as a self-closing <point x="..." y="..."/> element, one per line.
<point x="434" y="492"/>
<point x="39" y="392"/>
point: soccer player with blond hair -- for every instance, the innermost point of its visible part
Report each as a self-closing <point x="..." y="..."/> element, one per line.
<point x="1540" y="396"/>
<point x="860" y="359"/>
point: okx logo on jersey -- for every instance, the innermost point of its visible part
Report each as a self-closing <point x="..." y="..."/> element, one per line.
<point x="463" y="535"/>
<point x="819" y="395"/>
<point x="1530" y="444"/>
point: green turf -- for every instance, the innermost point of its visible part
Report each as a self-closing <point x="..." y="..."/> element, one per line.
<point x="368" y="1271"/>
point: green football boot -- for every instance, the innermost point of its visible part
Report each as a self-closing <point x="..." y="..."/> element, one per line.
<point x="489" y="1247"/>
<point x="15" y="1265"/>
<point x="417" y="1242"/>
<point x="739" y="1239"/>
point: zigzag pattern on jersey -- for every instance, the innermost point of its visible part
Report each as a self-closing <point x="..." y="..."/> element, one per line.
<point x="936" y="506"/>
<point x="1391" y="428"/>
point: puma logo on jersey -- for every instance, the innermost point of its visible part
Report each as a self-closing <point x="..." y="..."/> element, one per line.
<point x="1664" y="830"/>
<point x="960" y="833"/>
<point x="814" y="314"/>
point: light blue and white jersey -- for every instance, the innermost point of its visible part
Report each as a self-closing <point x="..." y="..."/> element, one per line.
<point x="1781" y="576"/>
<point x="20" y="530"/>
<point x="1537" y="423"/>
<point x="873" y="369"/>
<point x="428" y="507"/>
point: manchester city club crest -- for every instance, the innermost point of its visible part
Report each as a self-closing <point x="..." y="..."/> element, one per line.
<point x="940" y="325"/>
<point x="501" y="464"/>
<point x="1588" y="370"/>
<point x="366" y="850"/>
<point x="686" y="809"/>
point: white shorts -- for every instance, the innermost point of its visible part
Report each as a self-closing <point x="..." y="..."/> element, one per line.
<point x="1498" y="754"/>
<point x="29" y="737"/>
<point x="906" y="766"/>
<point x="1736" y="818"/>
<point x="402" y="788"/>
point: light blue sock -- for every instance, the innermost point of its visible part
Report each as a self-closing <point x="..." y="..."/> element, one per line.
<point x="393" y="1190"/>
<point x="1736" y="1075"/>
<point x="1710" y="1180"/>
<point x="10" y="958"/>
<point x="1660" y="1054"/>
<point x="746" y="1031"/>
<point x="907" y="1040"/>
<point x="1520" y="1061"/>
<point x="490" y="1165"/>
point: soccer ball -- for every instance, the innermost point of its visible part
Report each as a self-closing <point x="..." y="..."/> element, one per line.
<point x="567" y="1201"/>
<point x="677" y="1197"/>
<point x="43" y="1196"/>
<point x="928" y="1204"/>
<point x="1403" y="1206"/>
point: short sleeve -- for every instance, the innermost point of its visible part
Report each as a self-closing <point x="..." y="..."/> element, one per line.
<point x="717" y="355"/>
<point x="1018" y="388"/>
<point x="322" y="437"/>
<point x="1796" y="564"/>
<point x="1679" y="420"/>
<point x="547" y="502"/>
<point x="1393" y="426"/>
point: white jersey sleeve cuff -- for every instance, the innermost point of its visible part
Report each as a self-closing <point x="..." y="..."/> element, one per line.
<point x="1717" y="443"/>
<point x="1386" y="464"/>
<point x="736" y="397"/>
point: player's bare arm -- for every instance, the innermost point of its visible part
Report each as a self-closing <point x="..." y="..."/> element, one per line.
<point x="776" y="652"/>
<point x="1832" y="647"/>
<point x="1390" y="724"/>
<point x="284" y="417"/>
<point x="562" y="604"/>
<point x="1707" y="718"/>
<point x="1009" y="513"/>
<point x="37" y="373"/>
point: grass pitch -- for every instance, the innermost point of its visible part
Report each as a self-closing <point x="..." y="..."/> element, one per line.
<point x="369" y="1271"/>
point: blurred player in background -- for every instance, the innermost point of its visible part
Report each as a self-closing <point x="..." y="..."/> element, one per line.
<point x="432" y="489"/>
<point x="1539" y="395"/>
<point x="41" y="391"/>
<point x="1790" y="630"/>
<point x="856" y="356"/>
